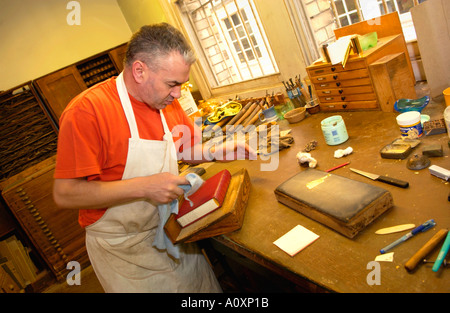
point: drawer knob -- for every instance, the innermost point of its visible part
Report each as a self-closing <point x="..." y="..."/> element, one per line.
<point x="341" y="91"/>
<point x="338" y="84"/>
<point x="333" y="69"/>
<point x="342" y="98"/>
<point x="344" y="106"/>
<point x="335" y="77"/>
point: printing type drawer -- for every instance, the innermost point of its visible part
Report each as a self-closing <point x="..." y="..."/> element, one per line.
<point x="54" y="232"/>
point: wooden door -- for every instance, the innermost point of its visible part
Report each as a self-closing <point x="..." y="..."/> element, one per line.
<point x="59" y="88"/>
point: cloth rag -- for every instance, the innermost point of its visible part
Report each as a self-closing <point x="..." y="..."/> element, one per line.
<point x="161" y="240"/>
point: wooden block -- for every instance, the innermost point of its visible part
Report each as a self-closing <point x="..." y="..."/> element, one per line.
<point x="229" y="217"/>
<point x="392" y="80"/>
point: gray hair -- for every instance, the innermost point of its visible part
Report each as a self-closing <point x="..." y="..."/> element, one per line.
<point x="151" y="42"/>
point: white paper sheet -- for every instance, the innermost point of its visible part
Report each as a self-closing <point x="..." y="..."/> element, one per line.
<point x="296" y="240"/>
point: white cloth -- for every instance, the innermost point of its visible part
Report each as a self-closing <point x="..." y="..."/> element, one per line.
<point x="120" y="243"/>
<point x="161" y="240"/>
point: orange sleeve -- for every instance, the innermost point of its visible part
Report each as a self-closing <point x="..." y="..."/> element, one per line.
<point x="188" y="134"/>
<point x="78" y="145"/>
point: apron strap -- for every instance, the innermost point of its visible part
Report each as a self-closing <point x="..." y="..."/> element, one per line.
<point x="126" y="105"/>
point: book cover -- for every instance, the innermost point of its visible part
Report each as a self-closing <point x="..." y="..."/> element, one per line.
<point x="342" y="204"/>
<point x="206" y="199"/>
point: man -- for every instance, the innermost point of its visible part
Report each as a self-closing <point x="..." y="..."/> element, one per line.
<point x="117" y="163"/>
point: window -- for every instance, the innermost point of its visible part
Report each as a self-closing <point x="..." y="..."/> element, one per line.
<point x="229" y="34"/>
<point x="352" y="11"/>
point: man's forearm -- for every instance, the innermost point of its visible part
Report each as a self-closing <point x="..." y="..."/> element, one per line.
<point x="79" y="193"/>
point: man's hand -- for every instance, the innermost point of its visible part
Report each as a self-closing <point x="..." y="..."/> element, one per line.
<point x="162" y="187"/>
<point x="79" y="193"/>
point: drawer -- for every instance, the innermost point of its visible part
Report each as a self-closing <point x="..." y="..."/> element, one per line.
<point x="344" y="91"/>
<point x="329" y="69"/>
<point x="349" y="105"/>
<point x="54" y="232"/>
<point x="361" y="73"/>
<point x="354" y="97"/>
<point x="342" y="84"/>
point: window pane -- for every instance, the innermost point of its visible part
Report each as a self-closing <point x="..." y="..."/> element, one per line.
<point x="344" y="21"/>
<point x="240" y="31"/>
<point x="391" y="7"/>
<point x="232" y="35"/>
<point x="245" y="43"/>
<point x="236" y="20"/>
<point x="258" y="52"/>
<point x="350" y="5"/>
<point x="241" y="57"/>
<point x="354" y="18"/>
<point x="227" y="22"/>
<point x="382" y="9"/>
<point x="339" y="7"/>
<point x="237" y="47"/>
<point x="404" y="5"/>
<point x="250" y="55"/>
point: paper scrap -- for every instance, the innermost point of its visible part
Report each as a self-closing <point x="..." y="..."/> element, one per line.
<point x="387" y="257"/>
<point x="296" y="240"/>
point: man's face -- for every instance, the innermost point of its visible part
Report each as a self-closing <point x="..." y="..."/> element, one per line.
<point x="159" y="88"/>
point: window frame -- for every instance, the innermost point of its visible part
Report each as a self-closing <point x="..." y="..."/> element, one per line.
<point x="199" y="71"/>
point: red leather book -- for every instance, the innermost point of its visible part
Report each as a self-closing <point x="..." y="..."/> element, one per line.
<point x="206" y="199"/>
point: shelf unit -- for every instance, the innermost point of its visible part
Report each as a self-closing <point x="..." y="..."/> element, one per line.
<point x="60" y="87"/>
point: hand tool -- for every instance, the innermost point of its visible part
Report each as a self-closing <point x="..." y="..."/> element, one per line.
<point x="427" y="248"/>
<point x="420" y="229"/>
<point x="384" y="179"/>
<point x="394" y="229"/>
<point x="442" y="253"/>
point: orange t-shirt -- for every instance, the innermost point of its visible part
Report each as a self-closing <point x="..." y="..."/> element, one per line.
<point x="94" y="133"/>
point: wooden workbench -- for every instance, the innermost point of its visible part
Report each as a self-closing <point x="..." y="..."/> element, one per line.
<point x="334" y="262"/>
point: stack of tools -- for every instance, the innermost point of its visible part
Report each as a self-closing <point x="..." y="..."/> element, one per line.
<point x="297" y="93"/>
<point x="240" y="114"/>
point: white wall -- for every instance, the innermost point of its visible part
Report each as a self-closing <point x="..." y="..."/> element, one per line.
<point x="36" y="38"/>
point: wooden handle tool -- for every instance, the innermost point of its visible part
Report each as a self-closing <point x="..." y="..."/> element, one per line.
<point x="430" y="245"/>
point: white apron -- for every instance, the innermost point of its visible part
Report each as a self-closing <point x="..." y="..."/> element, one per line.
<point x="119" y="244"/>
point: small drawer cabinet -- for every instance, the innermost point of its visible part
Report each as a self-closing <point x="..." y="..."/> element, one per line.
<point x="339" y="88"/>
<point x="355" y="87"/>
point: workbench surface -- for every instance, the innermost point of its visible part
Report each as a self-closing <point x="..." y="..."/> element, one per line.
<point x="334" y="262"/>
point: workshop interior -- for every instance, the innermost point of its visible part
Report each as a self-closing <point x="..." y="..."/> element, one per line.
<point x="346" y="103"/>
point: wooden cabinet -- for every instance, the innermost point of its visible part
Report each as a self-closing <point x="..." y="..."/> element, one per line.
<point x="338" y="88"/>
<point x="361" y="86"/>
<point x="356" y="86"/>
<point x="27" y="133"/>
<point x="58" y="88"/>
<point x="29" y="116"/>
<point x="55" y="233"/>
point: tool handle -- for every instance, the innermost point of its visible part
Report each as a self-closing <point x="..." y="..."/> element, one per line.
<point x="442" y="253"/>
<point x="393" y="181"/>
<point x="427" y="248"/>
